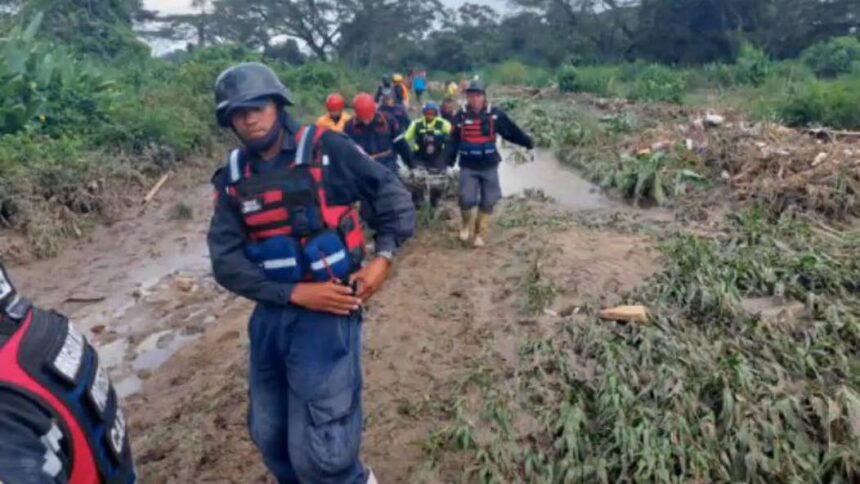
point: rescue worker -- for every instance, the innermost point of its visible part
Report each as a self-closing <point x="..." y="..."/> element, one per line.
<point x="449" y="108"/>
<point x="401" y="90"/>
<point x="285" y="234"/>
<point x="377" y="133"/>
<point x="394" y="110"/>
<point x="336" y="118"/>
<point x="386" y="85"/>
<point x="419" y="84"/>
<point x="429" y="138"/>
<point x="452" y="90"/>
<point x="60" y="420"/>
<point x="473" y="142"/>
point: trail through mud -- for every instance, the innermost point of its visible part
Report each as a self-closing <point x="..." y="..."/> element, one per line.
<point x="176" y="344"/>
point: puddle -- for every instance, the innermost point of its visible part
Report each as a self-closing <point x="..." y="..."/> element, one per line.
<point x="155" y="350"/>
<point x="561" y="183"/>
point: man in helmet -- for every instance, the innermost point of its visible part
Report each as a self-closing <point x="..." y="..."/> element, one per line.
<point x="60" y="420"/>
<point x="394" y="110"/>
<point x="401" y="90"/>
<point x="429" y="138"/>
<point x="377" y="133"/>
<point x="336" y="118"/>
<point x="380" y="90"/>
<point x="473" y="141"/>
<point x="285" y="234"/>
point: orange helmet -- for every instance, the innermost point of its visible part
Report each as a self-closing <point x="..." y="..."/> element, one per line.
<point x="365" y="107"/>
<point x="335" y="103"/>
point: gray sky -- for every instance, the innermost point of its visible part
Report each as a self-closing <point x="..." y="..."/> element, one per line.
<point x="182" y="6"/>
<point x="179" y="6"/>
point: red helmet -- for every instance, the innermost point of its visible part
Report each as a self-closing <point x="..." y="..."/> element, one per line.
<point x="365" y="107"/>
<point x="335" y="103"/>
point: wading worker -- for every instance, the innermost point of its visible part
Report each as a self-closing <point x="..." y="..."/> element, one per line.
<point x="285" y="235"/>
<point x="473" y="142"/>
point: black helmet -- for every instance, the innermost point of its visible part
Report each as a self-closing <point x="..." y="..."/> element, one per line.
<point x="476" y="86"/>
<point x="386" y="80"/>
<point x="243" y="85"/>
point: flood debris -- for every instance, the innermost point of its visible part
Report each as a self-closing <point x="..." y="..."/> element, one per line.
<point x="630" y="314"/>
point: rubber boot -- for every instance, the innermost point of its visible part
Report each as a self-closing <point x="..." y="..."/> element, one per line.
<point x="482" y="229"/>
<point x="468" y="224"/>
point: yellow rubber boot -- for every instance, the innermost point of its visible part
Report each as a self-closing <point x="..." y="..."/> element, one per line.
<point x="482" y="229"/>
<point x="467" y="225"/>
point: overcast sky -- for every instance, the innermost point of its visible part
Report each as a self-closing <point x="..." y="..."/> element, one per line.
<point x="178" y="6"/>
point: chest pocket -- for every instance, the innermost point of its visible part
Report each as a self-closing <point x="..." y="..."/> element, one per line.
<point x="285" y="202"/>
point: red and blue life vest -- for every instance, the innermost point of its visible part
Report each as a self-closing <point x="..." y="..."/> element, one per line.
<point x="294" y="234"/>
<point x="50" y="363"/>
<point x="477" y="134"/>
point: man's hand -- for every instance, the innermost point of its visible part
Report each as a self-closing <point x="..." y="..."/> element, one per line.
<point x="371" y="278"/>
<point x="328" y="297"/>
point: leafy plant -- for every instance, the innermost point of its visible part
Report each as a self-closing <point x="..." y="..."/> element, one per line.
<point x="833" y="57"/>
<point x="658" y="83"/>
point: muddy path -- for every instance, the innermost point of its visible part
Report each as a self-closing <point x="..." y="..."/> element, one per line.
<point x="176" y="346"/>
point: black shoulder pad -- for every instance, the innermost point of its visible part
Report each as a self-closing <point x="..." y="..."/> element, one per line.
<point x="218" y="176"/>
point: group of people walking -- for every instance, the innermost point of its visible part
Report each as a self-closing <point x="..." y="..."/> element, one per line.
<point x="287" y="232"/>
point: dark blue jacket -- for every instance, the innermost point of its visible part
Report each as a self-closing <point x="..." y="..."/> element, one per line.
<point x="399" y="114"/>
<point x="352" y="177"/>
<point x="381" y="137"/>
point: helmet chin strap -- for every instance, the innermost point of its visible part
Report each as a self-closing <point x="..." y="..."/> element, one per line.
<point x="263" y="144"/>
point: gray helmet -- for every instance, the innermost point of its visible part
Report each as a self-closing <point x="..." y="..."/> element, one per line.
<point x="244" y="85"/>
<point x="476" y="86"/>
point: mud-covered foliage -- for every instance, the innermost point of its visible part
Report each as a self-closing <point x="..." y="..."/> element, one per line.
<point x="708" y="391"/>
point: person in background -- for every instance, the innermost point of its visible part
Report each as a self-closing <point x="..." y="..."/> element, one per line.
<point x="419" y="84"/>
<point x="429" y="137"/>
<point x="395" y="110"/>
<point x="377" y="133"/>
<point x="473" y="142"/>
<point x="336" y="117"/>
<point x="401" y="90"/>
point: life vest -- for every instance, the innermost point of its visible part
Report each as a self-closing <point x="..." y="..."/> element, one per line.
<point x="477" y="133"/>
<point x="326" y="122"/>
<point x="50" y="363"/>
<point x="430" y="138"/>
<point x="404" y="93"/>
<point x="294" y="235"/>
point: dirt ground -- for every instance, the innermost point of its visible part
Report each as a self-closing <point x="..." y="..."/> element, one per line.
<point x="444" y="307"/>
<point x="176" y="343"/>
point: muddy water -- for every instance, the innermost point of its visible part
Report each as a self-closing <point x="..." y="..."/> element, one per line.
<point x="139" y="288"/>
<point x="562" y="184"/>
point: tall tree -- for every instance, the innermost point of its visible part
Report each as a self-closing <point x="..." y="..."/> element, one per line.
<point x="98" y="28"/>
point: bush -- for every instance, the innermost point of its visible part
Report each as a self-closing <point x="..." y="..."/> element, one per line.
<point x="752" y="66"/>
<point x="600" y="80"/>
<point x="509" y="73"/>
<point x="833" y="57"/>
<point x="567" y="79"/>
<point x="831" y="103"/>
<point x="658" y="83"/>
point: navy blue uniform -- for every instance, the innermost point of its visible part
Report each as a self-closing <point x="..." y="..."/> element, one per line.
<point x="381" y="139"/>
<point x="305" y="366"/>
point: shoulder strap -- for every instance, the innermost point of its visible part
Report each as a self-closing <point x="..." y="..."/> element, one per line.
<point x="235" y="165"/>
<point x="308" y="138"/>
